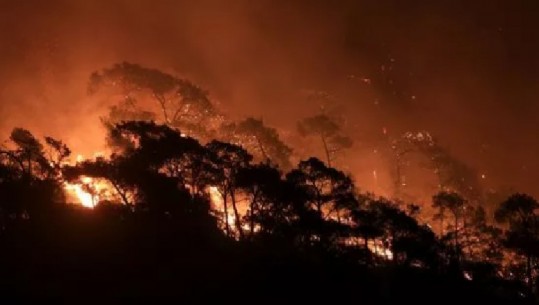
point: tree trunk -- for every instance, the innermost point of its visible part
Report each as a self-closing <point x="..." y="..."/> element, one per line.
<point x="261" y="147"/>
<point x="162" y="102"/>
<point x="121" y="193"/>
<point x="326" y="150"/>
<point x="441" y="223"/>
<point x="225" y="207"/>
<point x="236" y="215"/>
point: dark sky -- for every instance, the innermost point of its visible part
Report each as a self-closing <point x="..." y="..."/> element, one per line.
<point x="466" y="70"/>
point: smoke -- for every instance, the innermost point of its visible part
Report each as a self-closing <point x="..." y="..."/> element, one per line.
<point x="468" y="72"/>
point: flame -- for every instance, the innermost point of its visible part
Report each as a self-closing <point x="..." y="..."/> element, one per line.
<point x="379" y="249"/>
<point x="215" y="196"/>
<point x="87" y="191"/>
<point x="217" y="204"/>
<point x="81" y="191"/>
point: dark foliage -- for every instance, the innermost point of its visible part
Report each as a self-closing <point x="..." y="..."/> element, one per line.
<point x="307" y="235"/>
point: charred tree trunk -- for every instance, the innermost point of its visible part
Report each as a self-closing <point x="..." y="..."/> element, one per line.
<point x="225" y="207"/>
<point x="236" y="215"/>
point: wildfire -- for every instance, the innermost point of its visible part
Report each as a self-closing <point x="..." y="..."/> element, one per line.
<point x="85" y="191"/>
<point x="217" y="203"/>
<point x="377" y="247"/>
<point x="218" y="206"/>
<point x="88" y="191"/>
<point x="215" y="196"/>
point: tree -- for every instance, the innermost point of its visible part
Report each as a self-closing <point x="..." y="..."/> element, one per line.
<point x="519" y="212"/>
<point x="409" y="241"/>
<point x="481" y="244"/>
<point x="262" y="184"/>
<point x="452" y="173"/>
<point x="329" y="191"/>
<point x="150" y="144"/>
<point x="113" y="171"/>
<point x="126" y="110"/>
<point x="366" y="226"/>
<point x="30" y="180"/>
<point x="28" y="153"/>
<point x="455" y="204"/>
<point x="228" y="160"/>
<point x="398" y="154"/>
<point x="261" y="140"/>
<point x="58" y="152"/>
<point x="144" y="150"/>
<point x="182" y="104"/>
<point x="194" y="169"/>
<point x="394" y="234"/>
<point x="329" y="132"/>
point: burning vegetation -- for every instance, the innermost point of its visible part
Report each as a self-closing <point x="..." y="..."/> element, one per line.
<point x="174" y="157"/>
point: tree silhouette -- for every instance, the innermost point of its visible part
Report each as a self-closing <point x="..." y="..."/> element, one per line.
<point x="455" y="204"/>
<point x="519" y="212"/>
<point x="143" y="150"/>
<point x="114" y="171"/>
<point x="126" y="110"/>
<point x="329" y="132"/>
<point x="481" y="243"/>
<point x="228" y="159"/>
<point x="262" y="185"/>
<point x="259" y="139"/>
<point x="329" y="191"/>
<point x="194" y="169"/>
<point x="58" y="152"/>
<point x="30" y="182"/>
<point x="366" y="226"/>
<point x="182" y="103"/>
<point x="452" y="173"/>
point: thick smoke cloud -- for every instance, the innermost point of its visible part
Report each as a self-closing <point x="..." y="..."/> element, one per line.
<point x="468" y="72"/>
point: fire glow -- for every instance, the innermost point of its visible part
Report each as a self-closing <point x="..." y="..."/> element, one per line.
<point x="88" y="191"/>
<point x="84" y="192"/>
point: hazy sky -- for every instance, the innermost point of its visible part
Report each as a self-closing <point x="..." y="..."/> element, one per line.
<point x="466" y="70"/>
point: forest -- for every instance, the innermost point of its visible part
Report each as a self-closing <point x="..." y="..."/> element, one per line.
<point x="192" y="205"/>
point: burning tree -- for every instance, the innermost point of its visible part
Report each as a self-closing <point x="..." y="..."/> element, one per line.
<point x="228" y="160"/>
<point x="263" y="141"/>
<point x="393" y="233"/>
<point x="181" y="103"/>
<point x="140" y="170"/>
<point x="455" y="205"/>
<point x="453" y="174"/>
<point x="329" y="132"/>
